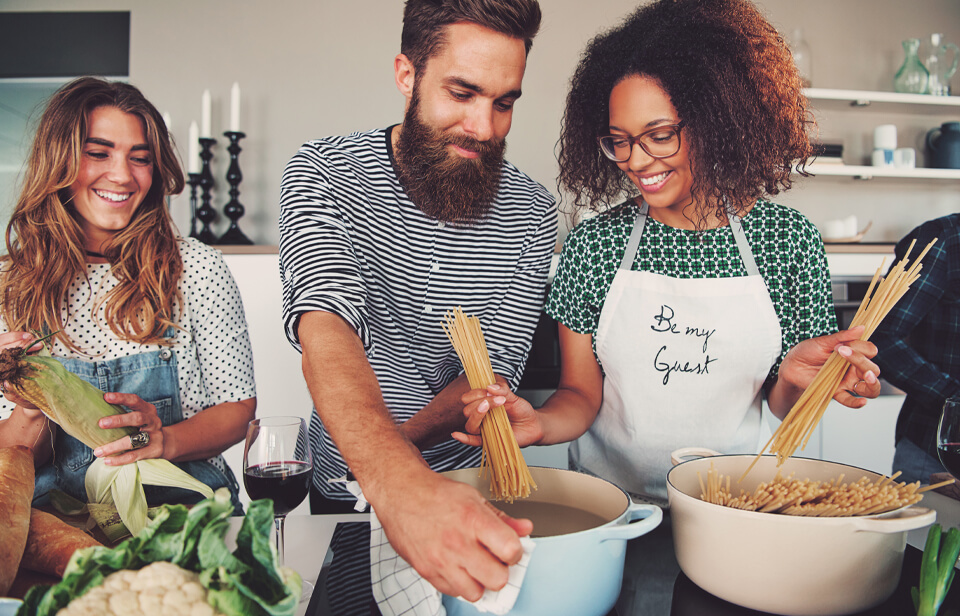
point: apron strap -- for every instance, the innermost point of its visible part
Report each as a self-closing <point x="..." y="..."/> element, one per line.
<point x="634" y="242"/>
<point x="736" y="226"/>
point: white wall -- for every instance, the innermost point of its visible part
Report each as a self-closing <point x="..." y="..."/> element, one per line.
<point x="310" y="68"/>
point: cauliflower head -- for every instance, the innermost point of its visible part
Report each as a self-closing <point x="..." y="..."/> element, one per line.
<point x="157" y="589"/>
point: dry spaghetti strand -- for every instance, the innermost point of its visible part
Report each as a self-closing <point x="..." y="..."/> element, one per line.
<point x="509" y="476"/>
<point x="881" y="296"/>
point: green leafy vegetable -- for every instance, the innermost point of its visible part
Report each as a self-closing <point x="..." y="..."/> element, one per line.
<point x="936" y="570"/>
<point x="245" y="582"/>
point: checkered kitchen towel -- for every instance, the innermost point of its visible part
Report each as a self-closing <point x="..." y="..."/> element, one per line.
<point x="400" y="591"/>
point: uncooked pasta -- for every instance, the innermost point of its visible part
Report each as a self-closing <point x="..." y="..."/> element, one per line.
<point x="882" y="294"/>
<point x="509" y="476"/>
<point x="833" y="498"/>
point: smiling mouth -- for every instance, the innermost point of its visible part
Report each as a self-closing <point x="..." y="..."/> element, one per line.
<point x="654" y="179"/>
<point x="462" y="151"/>
<point x="112" y="196"/>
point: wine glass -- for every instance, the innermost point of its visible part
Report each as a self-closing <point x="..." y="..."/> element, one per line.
<point x="277" y="465"/>
<point x="948" y="436"/>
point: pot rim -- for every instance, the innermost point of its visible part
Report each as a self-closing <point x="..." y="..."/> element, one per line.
<point x="618" y="520"/>
<point x="674" y="491"/>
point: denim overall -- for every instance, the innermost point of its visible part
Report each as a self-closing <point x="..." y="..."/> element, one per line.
<point x="152" y="376"/>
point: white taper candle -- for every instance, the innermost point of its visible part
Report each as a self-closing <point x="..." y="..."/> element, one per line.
<point x="205" y="115"/>
<point x="193" y="158"/>
<point x="235" y="107"/>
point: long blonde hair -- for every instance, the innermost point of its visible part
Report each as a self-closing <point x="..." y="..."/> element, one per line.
<point x="45" y="248"/>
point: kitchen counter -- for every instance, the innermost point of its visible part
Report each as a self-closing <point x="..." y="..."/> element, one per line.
<point x="653" y="584"/>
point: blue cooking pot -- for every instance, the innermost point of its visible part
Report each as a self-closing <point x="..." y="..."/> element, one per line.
<point x="581" y="525"/>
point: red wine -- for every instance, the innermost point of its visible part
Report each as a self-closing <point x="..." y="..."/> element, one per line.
<point x="285" y="483"/>
<point x="950" y="457"/>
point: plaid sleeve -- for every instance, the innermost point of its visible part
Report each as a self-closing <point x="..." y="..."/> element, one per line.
<point x="907" y="326"/>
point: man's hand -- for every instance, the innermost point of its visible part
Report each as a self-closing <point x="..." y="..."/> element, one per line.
<point x="450" y="534"/>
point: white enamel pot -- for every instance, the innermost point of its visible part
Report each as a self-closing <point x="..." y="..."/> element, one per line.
<point x="578" y="573"/>
<point x="791" y="565"/>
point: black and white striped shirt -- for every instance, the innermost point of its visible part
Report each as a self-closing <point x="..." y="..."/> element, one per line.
<point x="353" y="244"/>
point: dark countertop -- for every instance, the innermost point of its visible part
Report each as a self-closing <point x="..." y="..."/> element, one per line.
<point x="653" y="585"/>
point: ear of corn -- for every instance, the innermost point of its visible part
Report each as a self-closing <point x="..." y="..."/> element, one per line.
<point x="77" y="407"/>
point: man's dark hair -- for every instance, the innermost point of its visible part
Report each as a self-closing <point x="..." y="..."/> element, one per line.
<point x="425" y="22"/>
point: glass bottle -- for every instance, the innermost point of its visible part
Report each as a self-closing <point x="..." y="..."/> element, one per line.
<point x="801" y="57"/>
<point x="937" y="65"/>
<point x="913" y="77"/>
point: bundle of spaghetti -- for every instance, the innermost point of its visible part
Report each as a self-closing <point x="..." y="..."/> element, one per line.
<point x="882" y="294"/>
<point x="509" y="476"/>
<point x="834" y="498"/>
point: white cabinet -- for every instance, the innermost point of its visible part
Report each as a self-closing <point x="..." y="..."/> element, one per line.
<point x="859" y="437"/>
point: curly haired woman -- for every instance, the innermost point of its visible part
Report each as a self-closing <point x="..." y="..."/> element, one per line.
<point x="153" y="318"/>
<point x="684" y="306"/>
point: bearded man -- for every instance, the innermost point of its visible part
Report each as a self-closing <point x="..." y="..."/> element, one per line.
<point x="381" y="233"/>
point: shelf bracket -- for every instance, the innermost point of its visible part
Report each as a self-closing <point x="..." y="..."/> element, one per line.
<point x="860" y="102"/>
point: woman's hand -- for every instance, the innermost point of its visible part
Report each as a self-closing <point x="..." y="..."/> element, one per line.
<point x="861" y="377"/>
<point x="524" y="419"/>
<point x="143" y="416"/>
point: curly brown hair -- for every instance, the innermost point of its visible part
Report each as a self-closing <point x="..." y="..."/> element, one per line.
<point x="731" y="78"/>
<point x="45" y="249"/>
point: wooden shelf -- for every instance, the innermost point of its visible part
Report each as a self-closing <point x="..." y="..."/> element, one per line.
<point x="866" y="172"/>
<point x="825" y="98"/>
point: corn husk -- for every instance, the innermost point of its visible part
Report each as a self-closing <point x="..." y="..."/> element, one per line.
<point x="76" y="406"/>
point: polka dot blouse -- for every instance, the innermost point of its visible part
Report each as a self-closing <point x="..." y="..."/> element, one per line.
<point x="787" y="248"/>
<point x="214" y="357"/>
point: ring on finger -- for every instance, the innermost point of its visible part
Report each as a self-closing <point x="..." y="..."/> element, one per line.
<point x="139" y="440"/>
<point x="858" y="385"/>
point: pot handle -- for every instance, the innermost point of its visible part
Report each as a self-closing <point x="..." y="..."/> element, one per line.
<point x="677" y="455"/>
<point x="650" y="517"/>
<point x="930" y="140"/>
<point x="909" y="519"/>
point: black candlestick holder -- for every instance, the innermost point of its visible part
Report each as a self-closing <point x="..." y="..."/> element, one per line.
<point x="206" y="214"/>
<point x="193" y="179"/>
<point x="234" y="209"/>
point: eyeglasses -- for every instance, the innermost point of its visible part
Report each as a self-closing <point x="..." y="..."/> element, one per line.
<point x="660" y="142"/>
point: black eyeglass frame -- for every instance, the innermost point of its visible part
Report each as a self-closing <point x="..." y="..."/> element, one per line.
<point x="636" y="140"/>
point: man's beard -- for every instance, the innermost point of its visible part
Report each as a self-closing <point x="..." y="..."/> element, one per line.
<point x="442" y="184"/>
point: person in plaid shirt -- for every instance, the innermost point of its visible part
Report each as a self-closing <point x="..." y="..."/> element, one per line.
<point x="919" y="346"/>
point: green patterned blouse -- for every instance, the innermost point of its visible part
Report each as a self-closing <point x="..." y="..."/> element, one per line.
<point x="786" y="246"/>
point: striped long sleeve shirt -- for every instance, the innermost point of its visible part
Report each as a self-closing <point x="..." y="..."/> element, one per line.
<point x="353" y="244"/>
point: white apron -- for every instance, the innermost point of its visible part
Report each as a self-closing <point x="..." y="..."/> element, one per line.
<point x="684" y="361"/>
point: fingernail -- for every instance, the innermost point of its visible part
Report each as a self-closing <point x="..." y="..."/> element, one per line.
<point x="498" y="400"/>
<point x="26" y="336"/>
<point x="845" y="351"/>
<point x="104" y="423"/>
<point x="98" y="452"/>
<point x="108" y="461"/>
<point x="870" y="377"/>
<point x="484" y="407"/>
<point x="494" y="387"/>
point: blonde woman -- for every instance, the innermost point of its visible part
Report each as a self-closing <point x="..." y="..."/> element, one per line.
<point x="155" y="319"/>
